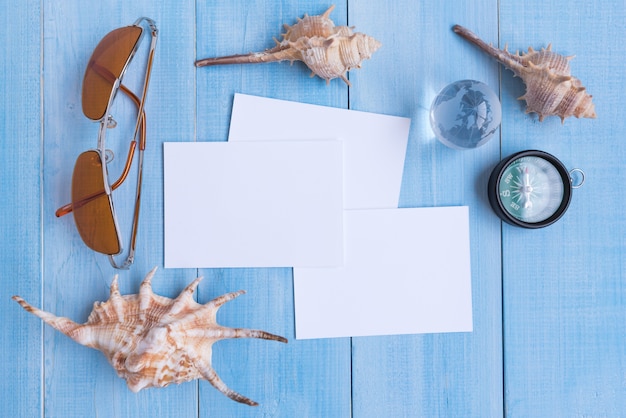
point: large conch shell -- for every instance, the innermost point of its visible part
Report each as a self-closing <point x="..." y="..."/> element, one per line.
<point x="329" y="51"/>
<point x="551" y="90"/>
<point x="151" y="340"/>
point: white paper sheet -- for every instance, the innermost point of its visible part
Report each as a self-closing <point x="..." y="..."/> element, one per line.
<point x="405" y="271"/>
<point x="374" y="144"/>
<point x="269" y="204"/>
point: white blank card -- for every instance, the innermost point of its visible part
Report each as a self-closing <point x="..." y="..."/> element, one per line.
<point x="374" y="144"/>
<point x="406" y="271"/>
<point x="247" y="204"/>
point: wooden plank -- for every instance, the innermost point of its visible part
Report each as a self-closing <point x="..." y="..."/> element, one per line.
<point x="79" y="381"/>
<point x="565" y="311"/>
<point x="302" y="378"/>
<point x="438" y="374"/>
<point x="20" y="223"/>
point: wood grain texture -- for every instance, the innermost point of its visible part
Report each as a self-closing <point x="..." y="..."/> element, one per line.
<point x="20" y="222"/>
<point x="549" y="305"/>
<point x="565" y="311"/>
<point x="79" y="381"/>
<point x="456" y="374"/>
<point x="303" y="378"/>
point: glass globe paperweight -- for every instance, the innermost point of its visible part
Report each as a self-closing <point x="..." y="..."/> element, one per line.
<point x="465" y="114"/>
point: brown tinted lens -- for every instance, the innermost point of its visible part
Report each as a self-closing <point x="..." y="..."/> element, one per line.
<point x="105" y="66"/>
<point x="93" y="216"/>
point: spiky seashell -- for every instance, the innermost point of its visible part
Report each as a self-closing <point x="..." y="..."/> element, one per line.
<point x="551" y="90"/>
<point x="151" y="340"/>
<point x="329" y="51"/>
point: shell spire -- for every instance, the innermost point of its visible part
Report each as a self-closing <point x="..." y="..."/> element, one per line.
<point x="153" y="341"/>
<point x="551" y="90"/>
<point x="329" y="51"/>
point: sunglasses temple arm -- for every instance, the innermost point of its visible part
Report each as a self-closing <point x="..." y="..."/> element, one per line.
<point x="64" y="210"/>
<point x="133" y="238"/>
<point x="140" y="103"/>
<point x="141" y="129"/>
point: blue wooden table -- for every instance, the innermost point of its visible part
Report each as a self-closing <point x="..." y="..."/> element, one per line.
<point x="549" y="305"/>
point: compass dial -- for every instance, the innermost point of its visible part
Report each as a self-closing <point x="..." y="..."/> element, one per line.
<point x="530" y="189"/>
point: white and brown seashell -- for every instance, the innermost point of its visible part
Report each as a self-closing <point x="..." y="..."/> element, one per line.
<point x="329" y="51"/>
<point x="151" y="340"/>
<point x="551" y="90"/>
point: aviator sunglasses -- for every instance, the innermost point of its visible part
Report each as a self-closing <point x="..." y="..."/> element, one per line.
<point x="91" y="191"/>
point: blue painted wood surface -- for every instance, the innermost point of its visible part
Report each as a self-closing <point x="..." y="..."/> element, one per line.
<point x="549" y="305"/>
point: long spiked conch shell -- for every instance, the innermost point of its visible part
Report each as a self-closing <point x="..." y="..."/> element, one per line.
<point x="329" y="51"/>
<point x="151" y="340"/>
<point x="551" y="90"/>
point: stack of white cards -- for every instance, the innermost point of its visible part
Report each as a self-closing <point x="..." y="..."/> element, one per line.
<point x="317" y="189"/>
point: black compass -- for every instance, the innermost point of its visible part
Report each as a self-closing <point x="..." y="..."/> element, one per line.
<point x="531" y="189"/>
